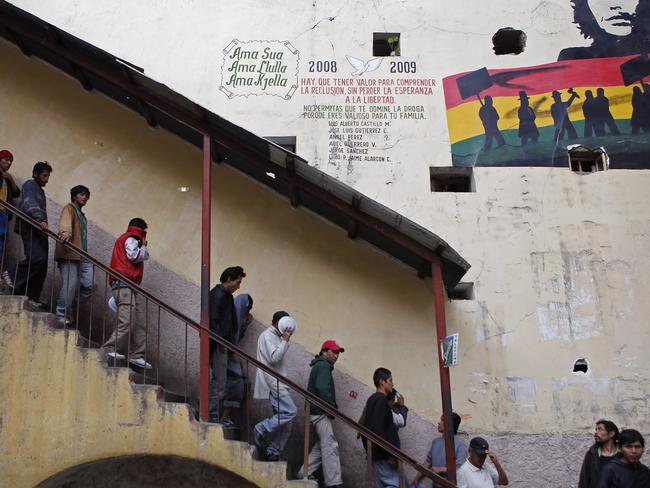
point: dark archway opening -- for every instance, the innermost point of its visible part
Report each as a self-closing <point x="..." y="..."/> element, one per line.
<point x="146" y="472"/>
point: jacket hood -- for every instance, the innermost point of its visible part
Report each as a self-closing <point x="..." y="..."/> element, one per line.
<point x="136" y="231"/>
<point x="318" y="359"/>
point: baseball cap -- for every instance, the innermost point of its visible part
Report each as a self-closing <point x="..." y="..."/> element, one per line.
<point x="331" y="345"/>
<point x="479" y="445"/>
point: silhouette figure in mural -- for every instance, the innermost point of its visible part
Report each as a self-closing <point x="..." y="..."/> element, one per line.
<point x="640" y="120"/>
<point x="490" y="118"/>
<point x="603" y="114"/>
<point x="527" y="128"/>
<point x="561" y="116"/>
<point x="589" y="111"/>
<point x="615" y="27"/>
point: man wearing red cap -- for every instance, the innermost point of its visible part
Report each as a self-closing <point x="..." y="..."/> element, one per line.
<point x="8" y="191"/>
<point x="321" y="384"/>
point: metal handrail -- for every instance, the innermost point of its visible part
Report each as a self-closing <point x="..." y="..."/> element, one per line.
<point x="360" y="429"/>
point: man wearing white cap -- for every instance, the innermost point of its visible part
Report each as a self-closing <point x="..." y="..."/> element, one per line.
<point x="272" y="346"/>
<point x="321" y="384"/>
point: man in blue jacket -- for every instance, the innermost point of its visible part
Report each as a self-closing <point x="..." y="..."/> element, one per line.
<point x="321" y="383"/>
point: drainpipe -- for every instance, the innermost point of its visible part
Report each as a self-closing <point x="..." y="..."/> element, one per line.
<point x="445" y="384"/>
<point x="206" y="201"/>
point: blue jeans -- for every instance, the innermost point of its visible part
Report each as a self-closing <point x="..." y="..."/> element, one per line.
<point x="386" y="476"/>
<point x="279" y="424"/>
<point x="73" y="272"/>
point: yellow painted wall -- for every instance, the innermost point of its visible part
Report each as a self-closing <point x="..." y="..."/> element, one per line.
<point x="336" y="288"/>
<point x="61" y="407"/>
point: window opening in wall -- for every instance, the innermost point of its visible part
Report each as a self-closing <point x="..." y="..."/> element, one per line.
<point x="452" y="179"/>
<point x="462" y="291"/>
<point x="286" y="142"/>
<point x="508" y="41"/>
<point x="580" y="366"/>
<point x="386" y="44"/>
<point x="583" y="160"/>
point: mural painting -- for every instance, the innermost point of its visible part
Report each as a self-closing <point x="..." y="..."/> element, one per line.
<point x="594" y="96"/>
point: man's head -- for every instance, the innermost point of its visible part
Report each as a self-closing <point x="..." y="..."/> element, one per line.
<point x="231" y="278"/>
<point x="632" y="445"/>
<point x="614" y="16"/>
<point x="456" y="420"/>
<point x="383" y="380"/>
<point x="606" y="431"/>
<point x="330" y="351"/>
<point x="41" y="173"/>
<point x="277" y="316"/>
<point x="79" y="195"/>
<point x="488" y="101"/>
<point x="6" y="158"/>
<point x="138" y="222"/>
<point x="478" y="451"/>
<point x="556" y="95"/>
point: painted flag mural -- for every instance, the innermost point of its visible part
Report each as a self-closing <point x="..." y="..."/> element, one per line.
<point x="529" y="116"/>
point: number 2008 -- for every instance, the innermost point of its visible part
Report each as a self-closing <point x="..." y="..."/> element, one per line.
<point x="322" y="66"/>
<point x="402" y="67"/>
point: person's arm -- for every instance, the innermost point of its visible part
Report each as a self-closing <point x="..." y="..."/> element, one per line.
<point x="12" y="187"/>
<point x="65" y="223"/>
<point x="276" y="351"/>
<point x="461" y="481"/>
<point x="31" y="202"/>
<point x="503" y="477"/>
<point x="134" y="251"/>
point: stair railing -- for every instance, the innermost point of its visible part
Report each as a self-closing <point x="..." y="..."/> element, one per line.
<point x="27" y="272"/>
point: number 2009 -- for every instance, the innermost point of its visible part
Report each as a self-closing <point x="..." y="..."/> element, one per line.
<point x="322" y="66"/>
<point x="402" y="67"/>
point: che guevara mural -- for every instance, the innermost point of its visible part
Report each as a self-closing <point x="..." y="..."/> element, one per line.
<point x="595" y="95"/>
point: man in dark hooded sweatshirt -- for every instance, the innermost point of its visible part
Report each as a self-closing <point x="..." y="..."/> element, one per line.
<point x="321" y="383"/>
<point x="626" y="469"/>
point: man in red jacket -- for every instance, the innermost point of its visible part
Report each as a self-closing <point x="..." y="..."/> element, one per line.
<point x="129" y="254"/>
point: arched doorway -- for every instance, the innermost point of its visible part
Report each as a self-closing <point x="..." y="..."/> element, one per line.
<point x="146" y="471"/>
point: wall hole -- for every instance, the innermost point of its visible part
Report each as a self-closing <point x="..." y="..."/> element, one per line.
<point x="386" y="44"/>
<point x="508" y="41"/>
<point x="580" y="366"/>
<point x="452" y="180"/>
<point x="583" y="160"/>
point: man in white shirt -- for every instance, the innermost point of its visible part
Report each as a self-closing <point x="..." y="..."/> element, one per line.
<point x="474" y="473"/>
<point x="272" y="346"/>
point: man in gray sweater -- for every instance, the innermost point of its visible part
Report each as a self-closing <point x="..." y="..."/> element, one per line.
<point x="272" y="346"/>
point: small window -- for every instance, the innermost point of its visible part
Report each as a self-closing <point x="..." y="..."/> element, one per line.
<point x="287" y="142"/>
<point x="508" y="41"/>
<point x="462" y="291"/>
<point x="452" y="180"/>
<point x="584" y="161"/>
<point x="386" y="44"/>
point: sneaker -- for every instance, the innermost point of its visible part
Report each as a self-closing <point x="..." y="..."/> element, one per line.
<point x="227" y="423"/>
<point x="115" y="355"/>
<point x="36" y="304"/>
<point x="272" y="458"/>
<point x="7" y="279"/>
<point x="140" y="362"/>
<point x="64" y="321"/>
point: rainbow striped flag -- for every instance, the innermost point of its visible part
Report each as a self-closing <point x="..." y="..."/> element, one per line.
<point x="627" y="145"/>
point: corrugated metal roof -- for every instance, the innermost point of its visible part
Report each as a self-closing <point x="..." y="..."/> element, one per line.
<point x="304" y="185"/>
